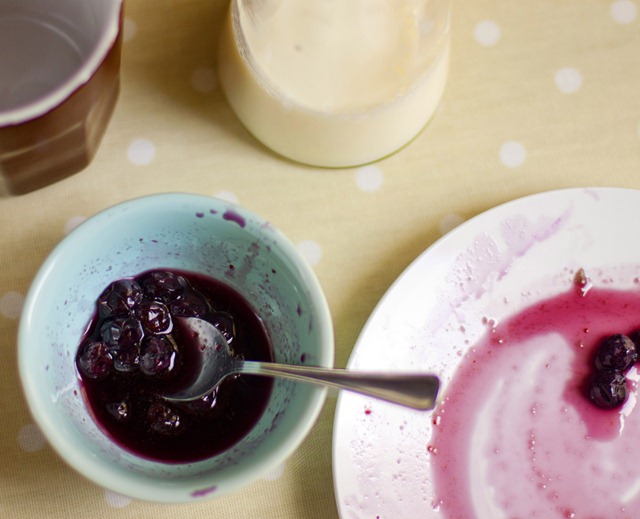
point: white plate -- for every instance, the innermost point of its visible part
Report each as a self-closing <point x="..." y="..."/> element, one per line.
<point x="485" y="270"/>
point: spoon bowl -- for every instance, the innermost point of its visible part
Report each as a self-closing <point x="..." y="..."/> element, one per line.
<point x="414" y="390"/>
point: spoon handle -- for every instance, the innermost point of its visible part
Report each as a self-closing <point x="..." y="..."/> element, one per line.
<point x="415" y="390"/>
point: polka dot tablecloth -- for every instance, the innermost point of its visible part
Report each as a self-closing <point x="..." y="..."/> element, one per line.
<point x="542" y="95"/>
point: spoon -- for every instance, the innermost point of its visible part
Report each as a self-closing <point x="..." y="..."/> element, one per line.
<point x="414" y="390"/>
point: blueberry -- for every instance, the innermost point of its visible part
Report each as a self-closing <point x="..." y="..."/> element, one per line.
<point x="126" y="359"/>
<point x="155" y="317"/>
<point x="121" y="332"/>
<point x="635" y="338"/>
<point x="94" y="360"/>
<point x="225" y="324"/>
<point x="616" y="353"/>
<point x="163" y="419"/>
<point x="203" y="404"/>
<point x="189" y="304"/>
<point x="119" y="410"/>
<point x="120" y="297"/>
<point x="157" y="356"/>
<point x="608" y="389"/>
<point x="163" y="285"/>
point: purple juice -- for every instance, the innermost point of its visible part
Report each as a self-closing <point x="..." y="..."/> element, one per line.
<point x="135" y="349"/>
<point x="517" y="435"/>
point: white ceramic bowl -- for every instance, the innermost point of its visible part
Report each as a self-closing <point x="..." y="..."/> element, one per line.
<point x="187" y="232"/>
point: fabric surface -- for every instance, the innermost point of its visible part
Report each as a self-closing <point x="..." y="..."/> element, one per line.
<point x="542" y="95"/>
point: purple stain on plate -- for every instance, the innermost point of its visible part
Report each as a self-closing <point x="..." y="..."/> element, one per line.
<point x="213" y="211"/>
<point x="200" y="214"/>
<point x="233" y="216"/>
<point x="204" y="491"/>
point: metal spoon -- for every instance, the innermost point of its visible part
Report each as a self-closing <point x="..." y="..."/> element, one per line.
<point x="415" y="390"/>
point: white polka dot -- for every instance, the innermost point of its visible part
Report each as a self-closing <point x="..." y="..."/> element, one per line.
<point x="623" y="11"/>
<point x="31" y="439"/>
<point x="369" y="178"/>
<point x="449" y="222"/>
<point x="227" y="196"/>
<point x="512" y="154"/>
<point x="11" y="304"/>
<point x="73" y="222"/>
<point x="204" y="80"/>
<point x="311" y="251"/>
<point x="116" y="500"/>
<point x="487" y="33"/>
<point x="568" y="80"/>
<point x="141" y="152"/>
<point x="426" y="25"/>
<point x="275" y="474"/>
<point x="129" y="29"/>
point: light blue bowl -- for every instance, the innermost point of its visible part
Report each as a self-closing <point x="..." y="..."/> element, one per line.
<point x="194" y="233"/>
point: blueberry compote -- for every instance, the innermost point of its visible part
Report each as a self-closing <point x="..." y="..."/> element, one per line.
<point x="135" y="349"/>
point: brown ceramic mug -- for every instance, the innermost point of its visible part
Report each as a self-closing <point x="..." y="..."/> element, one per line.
<point x="59" y="81"/>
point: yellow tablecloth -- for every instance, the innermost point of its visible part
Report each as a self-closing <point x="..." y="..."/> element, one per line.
<point x="542" y="95"/>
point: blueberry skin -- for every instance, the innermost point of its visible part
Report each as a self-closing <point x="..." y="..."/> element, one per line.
<point x="120" y="297"/>
<point x="163" y="285"/>
<point x="155" y="317"/>
<point x="95" y="360"/>
<point x="157" y="357"/>
<point x="120" y="411"/>
<point x="616" y="353"/>
<point x="121" y="332"/>
<point x="162" y="419"/>
<point x="608" y="389"/>
<point x="189" y="304"/>
<point x="126" y="359"/>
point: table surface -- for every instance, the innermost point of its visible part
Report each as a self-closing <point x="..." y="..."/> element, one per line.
<point x="542" y="95"/>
